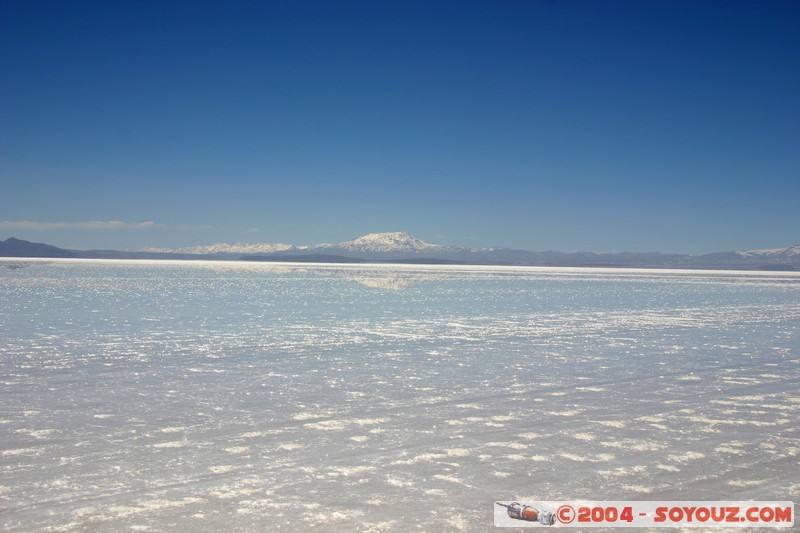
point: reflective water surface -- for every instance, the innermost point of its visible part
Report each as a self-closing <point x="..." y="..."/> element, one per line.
<point x="154" y="396"/>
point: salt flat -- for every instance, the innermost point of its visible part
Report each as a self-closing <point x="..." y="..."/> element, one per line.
<point x="152" y="396"/>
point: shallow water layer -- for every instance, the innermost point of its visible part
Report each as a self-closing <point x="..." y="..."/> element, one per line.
<point x="237" y="396"/>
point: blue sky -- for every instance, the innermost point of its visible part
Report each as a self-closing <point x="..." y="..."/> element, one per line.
<point x="565" y="125"/>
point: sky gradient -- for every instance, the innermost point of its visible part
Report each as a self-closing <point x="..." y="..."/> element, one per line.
<point x="544" y="125"/>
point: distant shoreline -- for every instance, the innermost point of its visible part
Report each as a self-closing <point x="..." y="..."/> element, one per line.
<point x="8" y="263"/>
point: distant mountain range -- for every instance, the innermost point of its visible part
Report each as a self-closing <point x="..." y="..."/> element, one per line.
<point x="402" y="247"/>
<point x="373" y="243"/>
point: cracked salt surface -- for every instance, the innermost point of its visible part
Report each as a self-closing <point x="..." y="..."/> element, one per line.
<point x="152" y="396"/>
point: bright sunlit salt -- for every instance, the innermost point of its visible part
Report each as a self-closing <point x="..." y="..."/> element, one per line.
<point x="241" y="396"/>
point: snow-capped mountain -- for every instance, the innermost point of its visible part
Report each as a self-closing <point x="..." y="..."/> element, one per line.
<point x="228" y="248"/>
<point x="391" y="242"/>
<point x="792" y="252"/>
<point x="238" y="248"/>
<point x="374" y="243"/>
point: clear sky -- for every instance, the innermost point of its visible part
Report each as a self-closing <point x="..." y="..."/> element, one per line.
<point x="667" y="125"/>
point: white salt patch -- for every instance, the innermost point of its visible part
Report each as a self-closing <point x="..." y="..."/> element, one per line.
<point x="565" y="412"/>
<point x="637" y="488"/>
<point x="327" y="425"/>
<point x="746" y="482"/>
<point x="727" y="448"/>
<point x="305" y="416"/>
<point x="780" y="406"/>
<point x="651" y="418"/>
<point x="756" y="423"/>
<point x="67" y="528"/>
<point x="668" y="468"/>
<point x="23" y="451"/>
<point x="612" y="423"/>
<point x="171" y="444"/>
<point x="588" y="437"/>
<point x="512" y="445"/>
<point x="37" y="433"/>
<point x="265" y="502"/>
<point x="369" y="421"/>
<point x="633" y="444"/>
<point x="432" y="399"/>
<point x="289" y="446"/>
<point x="84" y="512"/>
<point x="397" y="482"/>
<point x="222" y="469"/>
<point x="237" y="449"/>
<point x="347" y="471"/>
<point x="344" y="515"/>
<point x="602" y="457"/>
<point x="459" y="522"/>
<point x="102" y="415"/>
<point x="450" y="479"/>
<point x="124" y="511"/>
<point x="420" y="458"/>
<point x="158" y="504"/>
<point x="172" y="429"/>
<point x="253" y="434"/>
<point x="687" y="456"/>
<point x="360" y="438"/>
<point x="637" y="469"/>
<point x="457" y="452"/>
